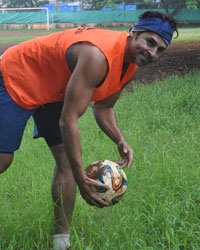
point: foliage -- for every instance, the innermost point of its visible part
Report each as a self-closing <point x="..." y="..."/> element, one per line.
<point x="167" y="4"/>
<point x="57" y="5"/>
<point x="98" y="4"/>
<point x="192" y="4"/>
<point x="179" y="4"/>
<point x="23" y="4"/>
<point x="148" y="4"/>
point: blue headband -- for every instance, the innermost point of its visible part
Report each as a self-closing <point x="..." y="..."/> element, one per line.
<point x="156" y="25"/>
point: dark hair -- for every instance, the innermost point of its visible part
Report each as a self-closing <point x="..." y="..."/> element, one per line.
<point x="156" y="14"/>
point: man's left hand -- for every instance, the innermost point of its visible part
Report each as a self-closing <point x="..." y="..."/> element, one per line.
<point x="126" y="154"/>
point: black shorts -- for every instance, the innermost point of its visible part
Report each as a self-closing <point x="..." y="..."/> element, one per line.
<point x="46" y="123"/>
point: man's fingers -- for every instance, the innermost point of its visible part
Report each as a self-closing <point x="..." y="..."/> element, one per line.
<point x="126" y="154"/>
<point x="98" y="184"/>
<point x="125" y="151"/>
<point x="95" y="200"/>
<point x="129" y="164"/>
<point x="126" y="162"/>
<point x="122" y="164"/>
<point x="130" y="159"/>
<point x="98" y="202"/>
<point x="92" y="197"/>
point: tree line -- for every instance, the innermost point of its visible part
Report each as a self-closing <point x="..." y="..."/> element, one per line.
<point x="99" y="4"/>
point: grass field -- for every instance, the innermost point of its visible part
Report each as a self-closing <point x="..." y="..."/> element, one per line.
<point x="188" y="34"/>
<point x="161" y="209"/>
<point x="185" y="34"/>
<point x="12" y="38"/>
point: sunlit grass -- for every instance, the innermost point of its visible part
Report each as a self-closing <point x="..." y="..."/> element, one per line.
<point x="161" y="208"/>
<point x="23" y="35"/>
<point x="185" y="34"/>
<point x="188" y="34"/>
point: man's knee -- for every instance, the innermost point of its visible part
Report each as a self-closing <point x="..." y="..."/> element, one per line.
<point x="63" y="168"/>
<point x="59" y="155"/>
<point x="5" y="161"/>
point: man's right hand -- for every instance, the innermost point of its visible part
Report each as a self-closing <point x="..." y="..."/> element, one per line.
<point x="88" y="189"/>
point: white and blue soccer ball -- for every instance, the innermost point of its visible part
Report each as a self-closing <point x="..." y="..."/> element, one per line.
<point x="110" y="173"/>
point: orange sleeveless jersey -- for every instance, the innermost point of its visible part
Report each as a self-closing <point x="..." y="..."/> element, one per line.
<point x="35" y="72"/>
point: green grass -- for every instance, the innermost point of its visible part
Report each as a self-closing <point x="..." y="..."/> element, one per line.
<point x="16" y="39"/>
<point x="12" y="38"/>
<point x="161" y="208"/>
<point x="23" y="35"/>
<point x="188" y="34"/>
<point x="185" y="34"/>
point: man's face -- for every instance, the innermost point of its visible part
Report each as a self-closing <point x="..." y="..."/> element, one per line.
<point x="143" y="48"/>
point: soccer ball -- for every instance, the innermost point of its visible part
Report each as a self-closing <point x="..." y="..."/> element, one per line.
<point x="108" y="172"/>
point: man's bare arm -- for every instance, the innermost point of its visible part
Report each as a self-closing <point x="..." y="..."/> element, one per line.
<point x="91" y="68"/>
<point x="105" y="116"/>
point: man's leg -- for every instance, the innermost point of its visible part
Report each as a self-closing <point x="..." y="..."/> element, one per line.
<point x="63" y="185"/>
<point x="5" y="161"/>
<point x="13" y="120"/>
<point x="63" y="191"/>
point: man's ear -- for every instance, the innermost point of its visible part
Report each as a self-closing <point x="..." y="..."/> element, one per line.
<point x="134" y="34"/>
<point x="131" y="34"/>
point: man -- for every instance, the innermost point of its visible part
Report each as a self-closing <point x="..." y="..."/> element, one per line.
<point x="54" y="78"/>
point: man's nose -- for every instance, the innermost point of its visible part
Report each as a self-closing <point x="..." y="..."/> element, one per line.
<point x="153" y="53"/>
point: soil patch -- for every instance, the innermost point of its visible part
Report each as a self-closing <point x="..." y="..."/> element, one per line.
<point x="179" y="59"/>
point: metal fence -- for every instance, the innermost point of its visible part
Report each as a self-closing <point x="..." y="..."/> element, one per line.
<point x="93" y="16"/>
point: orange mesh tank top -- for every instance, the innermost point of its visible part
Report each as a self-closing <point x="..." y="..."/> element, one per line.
<point x="35" y="72"/>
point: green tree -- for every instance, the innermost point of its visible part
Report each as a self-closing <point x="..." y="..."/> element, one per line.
<point x="57" y="5"/>
<point x="98" y="4"/>
<point x="192" y="4"/>
<point x="23" y="3"/>
<point x="178" y="4"/>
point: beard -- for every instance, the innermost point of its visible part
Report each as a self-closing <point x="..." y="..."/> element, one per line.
<point x="143" y="59"/>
